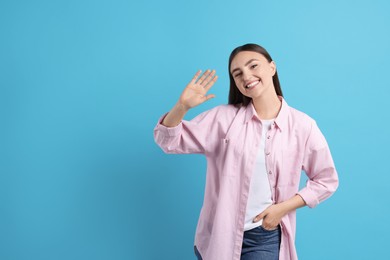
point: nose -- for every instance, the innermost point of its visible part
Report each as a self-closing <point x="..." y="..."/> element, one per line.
<point x="246" y="75"/>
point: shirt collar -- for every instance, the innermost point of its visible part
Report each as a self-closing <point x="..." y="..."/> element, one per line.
<point x="281" y="118"/>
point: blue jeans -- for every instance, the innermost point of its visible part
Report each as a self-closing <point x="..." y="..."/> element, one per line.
<point x="258" y="244"/>
<point x="261" y="244"/>
<point x="198" y="256"/>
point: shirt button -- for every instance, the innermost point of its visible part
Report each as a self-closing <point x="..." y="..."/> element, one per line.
<point x="268" y="137"/>
<point x="270" y="172"/>
<point x="267" y="153"/>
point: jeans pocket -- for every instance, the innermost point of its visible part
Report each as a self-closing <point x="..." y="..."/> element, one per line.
<point x="270" y="230"/>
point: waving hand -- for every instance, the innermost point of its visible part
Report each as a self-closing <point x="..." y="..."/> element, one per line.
<point x="195" y="93"/>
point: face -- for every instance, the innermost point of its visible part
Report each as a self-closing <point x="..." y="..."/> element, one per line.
<point x="252" y="74"/>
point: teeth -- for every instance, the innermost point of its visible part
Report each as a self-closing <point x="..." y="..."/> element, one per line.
<point x="252" y="84"/>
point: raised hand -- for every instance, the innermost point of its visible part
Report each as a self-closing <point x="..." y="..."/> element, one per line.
<point x="195" y="92"/>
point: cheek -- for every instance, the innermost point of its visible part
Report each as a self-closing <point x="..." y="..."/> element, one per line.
<point x="241" y="89"/>
<point x="237" y="82"/>
<point x="260" y="72"/>
<point x="267" y="73"/>
<point x="238" y="85"/>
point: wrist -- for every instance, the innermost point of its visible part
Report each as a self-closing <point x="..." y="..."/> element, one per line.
<point x="175" y="116"/>
<point x="181" y="107"/>
<point x="292" y="204"/>
<point x="284" y="207"/>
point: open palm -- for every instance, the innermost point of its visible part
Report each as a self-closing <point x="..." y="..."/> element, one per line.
<point x="195" y="92"/>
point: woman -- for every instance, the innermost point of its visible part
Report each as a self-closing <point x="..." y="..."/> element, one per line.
<point x="256" y="148"/>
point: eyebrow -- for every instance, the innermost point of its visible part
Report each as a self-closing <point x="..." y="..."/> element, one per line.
<point x="246" y="64"/>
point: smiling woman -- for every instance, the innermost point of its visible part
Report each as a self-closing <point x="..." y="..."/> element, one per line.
<point x="256" y="147"/>
<point x="263" y="58"/>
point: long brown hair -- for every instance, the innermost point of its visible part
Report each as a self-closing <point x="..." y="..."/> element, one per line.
<point x="235" y="96"/>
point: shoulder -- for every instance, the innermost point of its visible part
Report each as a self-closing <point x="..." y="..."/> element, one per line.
<point x="222" y="112"/>
<point x="219" y="115"/>
<point x="301" y="119"/>
<point x="227" y="109"/>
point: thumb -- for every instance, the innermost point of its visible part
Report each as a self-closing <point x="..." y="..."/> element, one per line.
<point x="209" y="97"/>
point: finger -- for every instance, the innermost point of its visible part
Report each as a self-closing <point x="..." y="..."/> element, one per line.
<point x="258" y="217"/>
<point x="193" y="80"/>
<point x="208" y="78"/>
<point x="269" y="227"/>
<point x="210" y="97"/>
<point x="211" y="83"/>
<point x="267" y="223"/>
<point x="203" y="77"/>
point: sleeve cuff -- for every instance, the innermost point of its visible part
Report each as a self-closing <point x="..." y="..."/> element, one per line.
<point x="309" y="197"/>
<point x="169" y="131"/>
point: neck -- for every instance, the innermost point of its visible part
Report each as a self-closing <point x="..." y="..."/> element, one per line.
<point x="267" y="107"/>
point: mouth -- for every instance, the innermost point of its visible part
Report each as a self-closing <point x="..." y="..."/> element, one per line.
<point x="252" y="84"/>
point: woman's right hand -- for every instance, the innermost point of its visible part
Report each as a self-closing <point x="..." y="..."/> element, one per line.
<point x="195" y="92"/>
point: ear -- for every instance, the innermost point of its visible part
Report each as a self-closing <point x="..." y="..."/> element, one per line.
<point x="272" y="64"/>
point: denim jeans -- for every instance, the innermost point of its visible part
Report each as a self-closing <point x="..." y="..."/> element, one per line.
<point x="261" y="244"/>
<point x="198" y="256"/>
<point x="258" y="244"/>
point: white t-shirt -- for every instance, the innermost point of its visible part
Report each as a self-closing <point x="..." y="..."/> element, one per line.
<point x="260" y="191"/>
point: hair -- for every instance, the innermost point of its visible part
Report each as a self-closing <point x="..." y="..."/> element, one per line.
<point x="235" y="96"/>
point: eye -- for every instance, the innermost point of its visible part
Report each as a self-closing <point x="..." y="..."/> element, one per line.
<point x="253" y="66"/>
<point x="237" y="74"/>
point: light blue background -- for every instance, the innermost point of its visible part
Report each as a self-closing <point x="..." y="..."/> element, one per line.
<point x="82" y="84"/>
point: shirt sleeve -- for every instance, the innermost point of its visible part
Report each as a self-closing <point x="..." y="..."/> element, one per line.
<point x="320" y="169"/>
<point x="187" y="137"/>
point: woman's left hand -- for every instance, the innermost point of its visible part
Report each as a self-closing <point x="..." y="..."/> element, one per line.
<point x="271" y="216"/>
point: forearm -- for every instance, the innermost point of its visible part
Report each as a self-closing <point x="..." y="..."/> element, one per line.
<point x="292" y="204"/>
<point x="175" y="116"/>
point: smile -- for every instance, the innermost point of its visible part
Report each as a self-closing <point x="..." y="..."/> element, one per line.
<point x="252" y="84"/>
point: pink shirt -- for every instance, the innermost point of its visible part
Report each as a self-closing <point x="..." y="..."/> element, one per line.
<point x="229" y="137"/>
